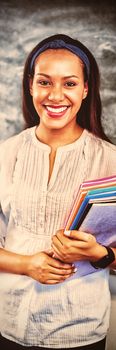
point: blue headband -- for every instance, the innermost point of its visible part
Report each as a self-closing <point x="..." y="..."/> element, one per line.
<point x="60" y="44"/>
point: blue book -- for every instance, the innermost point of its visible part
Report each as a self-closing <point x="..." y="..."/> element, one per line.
<point x="101" y="222"/>
<point x="100" y="194"/>
<point x="99" y="190"/>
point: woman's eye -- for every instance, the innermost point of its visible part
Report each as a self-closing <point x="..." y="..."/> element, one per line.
<point x="70" y="83"/>
<point x="43" y="82"/>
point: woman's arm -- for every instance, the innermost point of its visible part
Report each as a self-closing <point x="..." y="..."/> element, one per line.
<point x="40" y="266"/>
<point x="12" y="262"/>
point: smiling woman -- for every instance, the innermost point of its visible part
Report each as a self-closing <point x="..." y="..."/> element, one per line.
<point x="44" y="302"/>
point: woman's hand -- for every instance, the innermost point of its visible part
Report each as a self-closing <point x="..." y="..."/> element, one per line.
<point x="70" y="246"/>
<point x="47" y="270"/>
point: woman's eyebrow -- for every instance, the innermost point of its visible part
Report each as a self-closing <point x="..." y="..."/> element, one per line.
<point x="65" y="77"/>
<point x="45" y="75"/>
<point x="71" y="76"/>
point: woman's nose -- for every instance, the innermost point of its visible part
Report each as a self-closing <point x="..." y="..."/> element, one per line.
<point x="56" y="94"/>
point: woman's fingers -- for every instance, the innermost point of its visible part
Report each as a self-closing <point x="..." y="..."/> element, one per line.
<point x="61" y="272"/>
<point x="55" y="278"/>
<point x="79" y="236"/>
<point x="52" y="280"/>
<point x="60" y="268"/>
<point x="53" y="262"/>
<point x="74" y="239"/>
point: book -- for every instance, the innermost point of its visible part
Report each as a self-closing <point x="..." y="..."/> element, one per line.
<point x="105" y="195"/>
<point x="94" y="212"/>
<point x="83" y="190"/>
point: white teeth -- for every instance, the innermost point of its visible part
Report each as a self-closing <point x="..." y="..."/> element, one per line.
<point x="56" y="110"/>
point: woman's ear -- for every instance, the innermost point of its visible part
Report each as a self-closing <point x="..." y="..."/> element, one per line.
<point x="31" y="85"/>
<point x="85" y="92"/>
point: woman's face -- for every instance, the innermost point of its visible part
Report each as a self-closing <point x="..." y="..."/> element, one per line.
<point x="58" y="88"/>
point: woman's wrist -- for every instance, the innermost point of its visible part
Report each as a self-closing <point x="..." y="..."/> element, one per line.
<point x="24" y="263"/>
<point x="11" y="262"/>
<point x="100" y="252"/>
<point x="106" y="260"/>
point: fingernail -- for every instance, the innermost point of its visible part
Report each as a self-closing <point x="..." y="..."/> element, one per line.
<point x="75" y="269"/>
<point x="67" y="233"/>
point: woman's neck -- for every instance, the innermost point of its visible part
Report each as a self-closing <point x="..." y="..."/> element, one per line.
<point x="56" y="138"/>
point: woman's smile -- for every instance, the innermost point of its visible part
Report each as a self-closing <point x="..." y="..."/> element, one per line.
<point x="56" y="111"/>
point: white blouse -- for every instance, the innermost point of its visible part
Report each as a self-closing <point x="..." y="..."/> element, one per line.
<point x="72" y="313"/>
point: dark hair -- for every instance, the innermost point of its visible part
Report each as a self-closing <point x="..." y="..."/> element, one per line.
<point x="89" y="115"/>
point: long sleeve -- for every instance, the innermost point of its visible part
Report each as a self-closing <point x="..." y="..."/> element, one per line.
<point x="8" y="155"/>
<point x="3" y="229"/>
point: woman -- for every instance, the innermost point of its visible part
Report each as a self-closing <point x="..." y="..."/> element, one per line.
<point x="45" y="304"/>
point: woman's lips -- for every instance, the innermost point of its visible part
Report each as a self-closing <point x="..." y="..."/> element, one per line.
<point x="56" y="111"/>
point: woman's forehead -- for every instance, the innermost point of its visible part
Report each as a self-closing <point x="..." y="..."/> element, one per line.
<point x="59" y="57"/>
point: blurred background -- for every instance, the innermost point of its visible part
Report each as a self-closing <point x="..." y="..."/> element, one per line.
<point x="22" y="25"/>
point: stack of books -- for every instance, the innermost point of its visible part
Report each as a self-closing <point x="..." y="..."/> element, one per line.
<point x="94" y="211"/>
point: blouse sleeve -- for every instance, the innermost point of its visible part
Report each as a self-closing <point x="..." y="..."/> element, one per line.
<point x="3" y="223"/>
<point x="8" y="156"/>
<point x="3" y="229"/>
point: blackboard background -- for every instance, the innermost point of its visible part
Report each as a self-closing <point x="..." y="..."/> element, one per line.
<point x="24" y="23"/>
